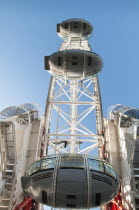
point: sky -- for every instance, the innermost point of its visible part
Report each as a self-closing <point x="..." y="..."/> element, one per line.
<point x="28" y="33"/>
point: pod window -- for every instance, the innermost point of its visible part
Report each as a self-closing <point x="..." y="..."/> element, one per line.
<point x="137" y="131"/>
<point x="43" y="164"/>
<point x="48" y="163"/>
<point x="136" y="165"/>
<point x="84" y="25"/>
<point x="137" y="187"/>
<point x="59" y="61"/>
<point x="73" y="197"/>
<point x="95" y="165"/>
<point x="137" y="201"/>
<point x="110" y="170"/>
<point x="71" y="205"/>
<point x="66" y="26"/>
<point x="44" y="197"/>
<point x="136" y="154"/>
<point x="74" y="60"/>
<point x="72" y="162"/>
<point x="75" y="25"/>
<point x="35" y="167"/>
<point x="89" y="61"/>
<point x="98" y="199"/>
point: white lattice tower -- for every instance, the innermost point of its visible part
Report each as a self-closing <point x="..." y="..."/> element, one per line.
<point x="69" y="104"/>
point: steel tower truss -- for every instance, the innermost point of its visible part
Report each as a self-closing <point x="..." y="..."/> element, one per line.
<point x="73" y="121"/>
<point x="73" y="105"/>
<point x="73" y="116"/>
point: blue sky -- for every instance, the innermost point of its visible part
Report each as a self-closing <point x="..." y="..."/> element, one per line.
<point x="28" y="33"/>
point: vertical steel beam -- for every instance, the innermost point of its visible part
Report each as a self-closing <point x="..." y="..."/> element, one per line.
<point x="48" y="111"/>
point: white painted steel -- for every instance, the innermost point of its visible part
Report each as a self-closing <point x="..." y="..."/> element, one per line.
<point x="70" y="105"/>
<point x="65" y="126"/>
<point x="122" y="149"/>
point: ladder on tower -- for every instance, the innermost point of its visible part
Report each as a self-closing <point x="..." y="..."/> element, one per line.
<point x="136" y="172"/>
<point x="9" y="168"/>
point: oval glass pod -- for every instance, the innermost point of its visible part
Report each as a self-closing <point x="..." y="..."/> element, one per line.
<point x="75" y="29"/>
<point x="73" y="64"/>
<point x="63" y="180"/>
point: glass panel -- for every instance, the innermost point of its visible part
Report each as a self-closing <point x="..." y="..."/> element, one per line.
<point x="72" y="162"/>
<point x="93" y="157"/>
<point x="89" y="61"/>
<point x="48" y="163"/>
<point x="34" y="167"/>
<point x="84" y="25"/>
<point x="72" y="155"/>
<point x="66" y="25"/>
<point x="134" y="113"/>
<point x="95" y="165"/>
<point x="59" y="61"/>
<point x="50" y="156"/>
<point x="75" y="25"/>
<point x="110" y="170"/>
<point x="74" y="58"/>
<point x="74" y="63"/>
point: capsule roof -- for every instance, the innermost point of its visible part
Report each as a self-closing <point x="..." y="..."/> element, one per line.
<point x="75" y="29"/>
